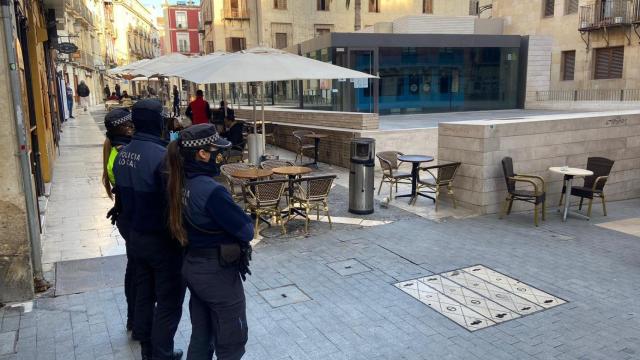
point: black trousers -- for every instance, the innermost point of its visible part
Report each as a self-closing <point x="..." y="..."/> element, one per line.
<point x="129" y="278"/>
<point x="176" y="108"/>
<point x="159" y="291"/>
<point x="217" y="307"/>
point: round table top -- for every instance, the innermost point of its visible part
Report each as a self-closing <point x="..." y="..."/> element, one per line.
<point x="316" y="136"/>
<point x="415" y="158"/>
<point x="570" y="171"/>
<point x="251" y="173"/>
<point x="291" y="170"/>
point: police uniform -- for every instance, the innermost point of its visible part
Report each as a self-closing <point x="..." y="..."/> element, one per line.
<point x="112" y="120"/>
<point x="212" y="220"/>
<point x="140" y="179"/>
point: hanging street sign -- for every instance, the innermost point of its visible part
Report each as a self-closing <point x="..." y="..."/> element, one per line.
<point x="67" y="47"/>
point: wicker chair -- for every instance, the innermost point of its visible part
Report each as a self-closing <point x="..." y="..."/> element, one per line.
<point x="304" y="143"/>
<point x="389" y="164"/>
<point x="445" y="173"/>
<point x="312" y="193"/>
<point x="271" y="164"/>
<point x="234" y="153"/>
<point x="263" y="198"/>
<point x="593" y="185"/>
<point x="235" y="185"/>
<point x="537" y="196"/>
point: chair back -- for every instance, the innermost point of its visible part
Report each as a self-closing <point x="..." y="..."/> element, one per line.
<point x="507" y="169"/>
<point x="446" y="173"/>
<point x="315" y="188"/>
<point x="299" y="135"/>
<point x="228" y="169"/>
<point x="271" y="164"/>
<point x="266" y="193"/>
<point x="389" y="160"/>
<point x="600" y="167"/>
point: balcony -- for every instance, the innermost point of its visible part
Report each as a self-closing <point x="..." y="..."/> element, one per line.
<point x="607" y="13"/>
<point x="635" y="19"/>
<point x="236" y="10"/>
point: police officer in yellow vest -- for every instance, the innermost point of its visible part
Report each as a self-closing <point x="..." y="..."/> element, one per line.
<point x="119" y="131"/>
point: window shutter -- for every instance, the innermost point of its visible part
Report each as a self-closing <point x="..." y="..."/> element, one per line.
<point x="568" y="65"/>
<point x="572" y="6"/>
<point x="609" y="63"/>
<point x="549" y="7"/>
<point x="427" y="6"/>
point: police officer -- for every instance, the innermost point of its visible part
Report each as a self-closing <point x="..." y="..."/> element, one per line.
<point x="139" y="175"/>
<point x="216" y="233"/>
<point x="119" y="132"/>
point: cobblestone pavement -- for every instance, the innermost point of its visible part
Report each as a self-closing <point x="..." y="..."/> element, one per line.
<point x="361" y="315"/>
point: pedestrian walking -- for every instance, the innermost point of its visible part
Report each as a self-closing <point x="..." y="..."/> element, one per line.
<point x="117" y="89"/>
<point x="107" y="92"/>
<point x="199" y="110"/>
<point x="69" y="91"/>
<point x="119" y="132"/>
<point x="139" y="172"/>
<point x="83" y="92"/>
<point x="216" y="233"/>
<point x="176" y="101"/>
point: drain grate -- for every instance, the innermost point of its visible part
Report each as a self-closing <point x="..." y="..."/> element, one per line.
<point x="348" y="267"/>
<point x="285" y="295"/>
<point x="478" y="297"/>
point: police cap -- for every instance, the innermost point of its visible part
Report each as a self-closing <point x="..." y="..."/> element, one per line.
<point x="116" y="117"/>
<point x="202" y="136"/>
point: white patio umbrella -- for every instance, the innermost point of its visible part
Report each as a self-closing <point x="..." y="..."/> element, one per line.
<point x="160" y="65"/>
<point x="265" y="64"/>
<point x="191" y="63"/>
<point x="128" y="69"/>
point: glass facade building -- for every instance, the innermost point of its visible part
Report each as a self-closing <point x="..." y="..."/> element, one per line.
<point x="417" y="73"/>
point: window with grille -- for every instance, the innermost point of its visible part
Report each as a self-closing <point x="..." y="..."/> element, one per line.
<point x="181" y="19"/>
<point x="427" y="6"/>
<point x="183" y="42"/>
<point x="323" y="5"/>
<point x="568" y="64"/>
<point x="474" y="7"/>
<point x="236" y="44"/>
<point x="572" y="6"/>
<point x="281" y="40"/>
<point x="374" y="6"/>
<point x="280" y="4"/>
<point x="549" y="7"/>
<point x="609" y="62"/>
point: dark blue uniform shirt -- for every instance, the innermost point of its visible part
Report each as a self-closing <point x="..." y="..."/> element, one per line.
<point x="138" y="170"/>
<point x="211" y="216"/>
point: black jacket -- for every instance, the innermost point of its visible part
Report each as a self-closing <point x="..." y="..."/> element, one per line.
<point x="83" y="90"/>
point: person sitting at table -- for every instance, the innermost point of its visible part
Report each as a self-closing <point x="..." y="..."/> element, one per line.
<point x="198" y="110"/>
<point x="221" y="111"/>
<point x="125" y="95"/>
<point x="113" y="96"/>
<point x="234" y="130"/>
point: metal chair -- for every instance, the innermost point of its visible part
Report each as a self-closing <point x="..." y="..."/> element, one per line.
<point x="593" y="185"/>
<point x="444" y="176"/>
<point x="537" y="196"/>
<point x="390" y="164"/>
<point x="263" y="198"/>
<point x="304" y="143"/>
<point x="235" y="185"/>
<point x="234" y="153"/>
<point x="312" y="193"/>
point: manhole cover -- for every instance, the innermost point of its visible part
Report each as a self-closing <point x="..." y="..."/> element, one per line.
<point x="477" y="297"/>
<point x="285" y="295"/>
<point x="348" y="267"/>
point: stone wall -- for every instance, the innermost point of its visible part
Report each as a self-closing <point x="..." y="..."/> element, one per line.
<point x="16" y="275"/>
<point x="336" y="119"/>
<point x="535" y="144"/>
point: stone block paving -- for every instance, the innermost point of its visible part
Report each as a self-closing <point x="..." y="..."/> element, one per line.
<point x="361" y="315"/>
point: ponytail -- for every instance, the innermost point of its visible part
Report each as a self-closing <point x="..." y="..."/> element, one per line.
<point x="106" y="152"/>
<point x="175" y="186"/>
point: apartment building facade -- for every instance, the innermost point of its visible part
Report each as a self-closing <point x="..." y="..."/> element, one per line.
<point x="232" y="25"/>
<point x="595" y="45"/>
<point x="181" y="28"/>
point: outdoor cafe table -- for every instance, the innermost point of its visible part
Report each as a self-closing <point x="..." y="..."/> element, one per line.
<point x="316" y="142"/>
<point x="251" y="174"/>
<point x="292" y="172"/>
<point x="415" y="161"/>
<point x="569" y="173"/>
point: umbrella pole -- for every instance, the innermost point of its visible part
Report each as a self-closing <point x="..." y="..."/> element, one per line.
<point x="252" y="95"/>
<point x="224" y="99"/>
<point x="264" y="144"/>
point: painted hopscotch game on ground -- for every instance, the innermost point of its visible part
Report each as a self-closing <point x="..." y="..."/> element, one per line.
<point x="477" y="297"/>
